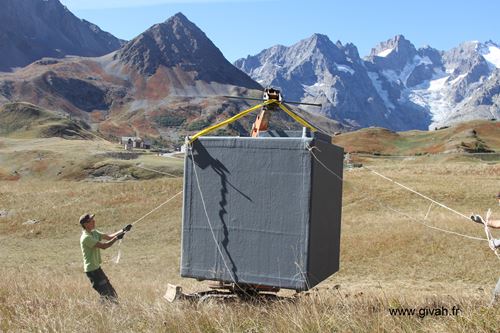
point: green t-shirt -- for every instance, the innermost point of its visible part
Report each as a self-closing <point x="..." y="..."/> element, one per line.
<point x="91" y="254"/>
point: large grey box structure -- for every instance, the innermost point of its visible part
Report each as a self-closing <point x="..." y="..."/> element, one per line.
<point x="273" y="209"/>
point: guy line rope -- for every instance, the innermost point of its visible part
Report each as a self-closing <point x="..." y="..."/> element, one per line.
<point x="487" y="231"/>
<point x="157" y="171"/>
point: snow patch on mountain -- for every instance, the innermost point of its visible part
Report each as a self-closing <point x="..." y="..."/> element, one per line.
<point x="457" y="79"/>
<point x="438" y="84"/>
<point x="491" y="53"/>
<point x="402" y="76"/>
<point x="385" y="53"/>
<point x="377" y="83"/>
<point x="433" y="96"/>
<point x="346" y="69"/>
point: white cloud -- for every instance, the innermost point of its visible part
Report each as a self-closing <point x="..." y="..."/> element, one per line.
<point x="100" y="4"/>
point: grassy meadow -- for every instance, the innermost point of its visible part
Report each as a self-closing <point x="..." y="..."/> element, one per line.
<point x="391" y="258"/>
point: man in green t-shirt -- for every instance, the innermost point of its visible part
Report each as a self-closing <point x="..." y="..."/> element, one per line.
<point x="91" y="242"/>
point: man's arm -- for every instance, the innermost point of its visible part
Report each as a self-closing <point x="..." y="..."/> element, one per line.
<point x="495" y="224"/>
<point x="105" y="245"/>
<point x="111" y="236"/>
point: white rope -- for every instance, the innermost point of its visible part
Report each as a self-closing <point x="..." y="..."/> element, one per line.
<point x="417" y="193"/>
<point x="432" y="201"/>
<point x="118" y="256"/>
<point x="208" y="218"/>
<point x="428" y="211"/>
<point x="409" y="189"/>
<point x="432" y="227"/>
<point x="155" y="209"/>
<point x="489" y="237"/>
<point x="324" y="166"/>
<point x="160" y="172"/>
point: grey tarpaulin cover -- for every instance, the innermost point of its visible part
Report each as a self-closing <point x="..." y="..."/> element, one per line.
<point x="275" y="211"/>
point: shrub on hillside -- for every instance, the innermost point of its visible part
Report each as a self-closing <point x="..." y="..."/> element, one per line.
<point x="198" y="125"/>
<point x="170" y="120"/>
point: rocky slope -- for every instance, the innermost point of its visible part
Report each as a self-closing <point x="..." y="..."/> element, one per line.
<point x="33" y="29"/>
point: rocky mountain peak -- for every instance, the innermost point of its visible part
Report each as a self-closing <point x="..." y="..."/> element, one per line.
<point x="179" y="17"/>
<point x="491" y="43"/>
<point x="467" y="58"/>
<point x="320" y="39"/>
<point x="181" y="28"/>
<point x="490" y="51"/>
<point x="351" y="51"/>
<point x="469" y="46"/>
<point x="274" y="54"/>
<point x="473" y="48"/>
<point x="391" y="46"/>
<point x="431" y="53"/>
<point x="316" y="41"/>
<point x="179" y="43"/>
<point x="393" y="54"/>
<point x="315" y="48"/>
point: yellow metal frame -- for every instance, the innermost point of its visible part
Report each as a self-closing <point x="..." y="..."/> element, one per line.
<point x="295" y="117"/>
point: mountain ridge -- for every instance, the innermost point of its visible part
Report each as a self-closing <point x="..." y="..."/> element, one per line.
<point x="407" y="88"/>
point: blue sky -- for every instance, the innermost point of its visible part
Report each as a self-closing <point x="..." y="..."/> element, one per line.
<point x="242" y="27"/>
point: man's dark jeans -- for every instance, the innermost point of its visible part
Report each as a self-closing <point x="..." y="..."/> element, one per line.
<point x="101" y="284"/>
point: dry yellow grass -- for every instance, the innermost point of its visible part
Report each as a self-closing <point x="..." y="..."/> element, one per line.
<point x="388" y="261"/>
